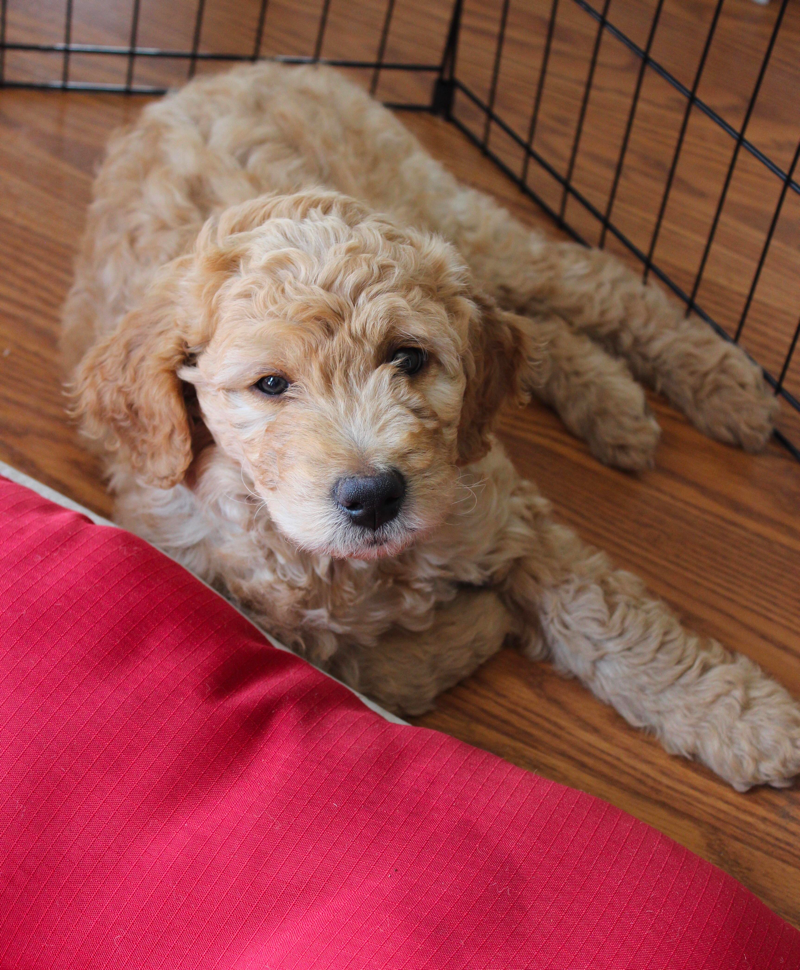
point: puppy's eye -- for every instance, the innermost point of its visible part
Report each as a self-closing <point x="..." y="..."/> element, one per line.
<point x="272" y="384"/>
<point x="410" y="360"/>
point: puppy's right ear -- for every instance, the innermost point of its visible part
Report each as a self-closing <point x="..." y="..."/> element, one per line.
<point x="498" y="365"/>
<point x="126" y="390"/>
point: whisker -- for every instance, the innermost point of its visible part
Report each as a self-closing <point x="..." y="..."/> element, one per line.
<point x="247" y="488"/>
<point x="472" y="490"/>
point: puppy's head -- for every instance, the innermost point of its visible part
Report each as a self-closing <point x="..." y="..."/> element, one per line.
<point x="342" y="361"/>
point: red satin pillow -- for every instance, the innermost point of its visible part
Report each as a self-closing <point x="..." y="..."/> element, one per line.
<point x="177" y="793"/>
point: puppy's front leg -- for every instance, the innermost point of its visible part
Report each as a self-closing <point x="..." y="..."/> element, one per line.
<point x="600" y="625"/>
<point x="594" y="395"/>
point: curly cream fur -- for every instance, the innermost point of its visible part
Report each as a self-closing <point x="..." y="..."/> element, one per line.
<point x="236" y="231"/>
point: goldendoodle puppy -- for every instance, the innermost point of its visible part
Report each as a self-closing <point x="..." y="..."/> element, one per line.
<point x="292" y="330"/>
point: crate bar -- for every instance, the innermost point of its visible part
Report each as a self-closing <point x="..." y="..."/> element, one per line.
<point x="681" y="135"/>
<point x="767" y="243"/>
<point x="584" y="105"/>
<point x="262" y="19"/>
<point x="323" y="24"/>
<point x="445" y="86"/>
<point x="728" y="178"/>
<point x="198" y="32"/>
<point x="67" y="45"/>
<point x="384" y="40"/>
<point x="612" y="195"/>
<point x="787" y="362"/>
<point x="133" y="39"/>
<point x="151" y="90"/>
<point x="781" y="437"/>
<point x="701" y="105"/>
<point x="498" y="57"/>
<point x="209" y="56"/>
<point x="548" y="43"/>
<point x="3" y="21"/>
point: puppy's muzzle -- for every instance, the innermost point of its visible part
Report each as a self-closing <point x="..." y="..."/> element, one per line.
<point x="373" y="500"/>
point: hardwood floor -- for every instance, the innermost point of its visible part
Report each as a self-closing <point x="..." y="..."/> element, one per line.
<point x="712" y="530"/>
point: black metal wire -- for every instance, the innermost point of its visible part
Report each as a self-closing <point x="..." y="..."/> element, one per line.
<point x="262" y="19"/>
<point x="787" y="362"/>
<point x="576" y="194"/>
<point x="196" y="55"/>
<point x="444" y="89"/>
<point x="3" y="21"/>
<point x="323" y="23"/>
<point x="196" y="36"/>
<point x="723" y="196"/>
<point x="681" y="135"/>
<point x="498" y="56"/>
<point x="150" y="90"/>
<point x="614" y="230"/>
<point x="524" y="187"/>
<point x="537" y="102"/>
<point x="133" y="38"/>
<point x="384" y="40"/>
<point x="783" y="440"/>
<point x="447" y="65"/>
<point x="584" y="105"/>
<point x="67" y="42"/>
<point x="612" y="195"/>
<point x="767" y="243"/>
<point x="158" y="52"/>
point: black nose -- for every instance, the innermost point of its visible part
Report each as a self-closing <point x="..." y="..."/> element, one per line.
<point x="372" y="500"/>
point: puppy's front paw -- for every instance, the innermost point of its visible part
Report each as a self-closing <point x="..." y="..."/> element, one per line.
<point x="615" y="421"/>
<point x="765" y="749"/>
<point x="734" y="403"/>
<point x="624" y="438"/>
<point x="752" y="737"/>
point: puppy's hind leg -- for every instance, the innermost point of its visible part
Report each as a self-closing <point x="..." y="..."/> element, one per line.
<point x="600" y="625"/>
<point x="594" y="394"/>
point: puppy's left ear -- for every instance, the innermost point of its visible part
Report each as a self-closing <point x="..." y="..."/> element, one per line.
<point x="501" y="353"/>
<point x="127" y="392"/>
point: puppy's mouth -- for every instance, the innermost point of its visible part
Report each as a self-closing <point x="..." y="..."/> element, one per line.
<point x="378" y="545"/>
<point x="376" y="549"/>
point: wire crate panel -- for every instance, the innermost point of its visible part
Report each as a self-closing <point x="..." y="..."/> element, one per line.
<point x="148" y="46"/>
<point x="667" y="131"/>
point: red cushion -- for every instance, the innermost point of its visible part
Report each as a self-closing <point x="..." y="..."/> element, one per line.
<point x="175" y="792"/>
